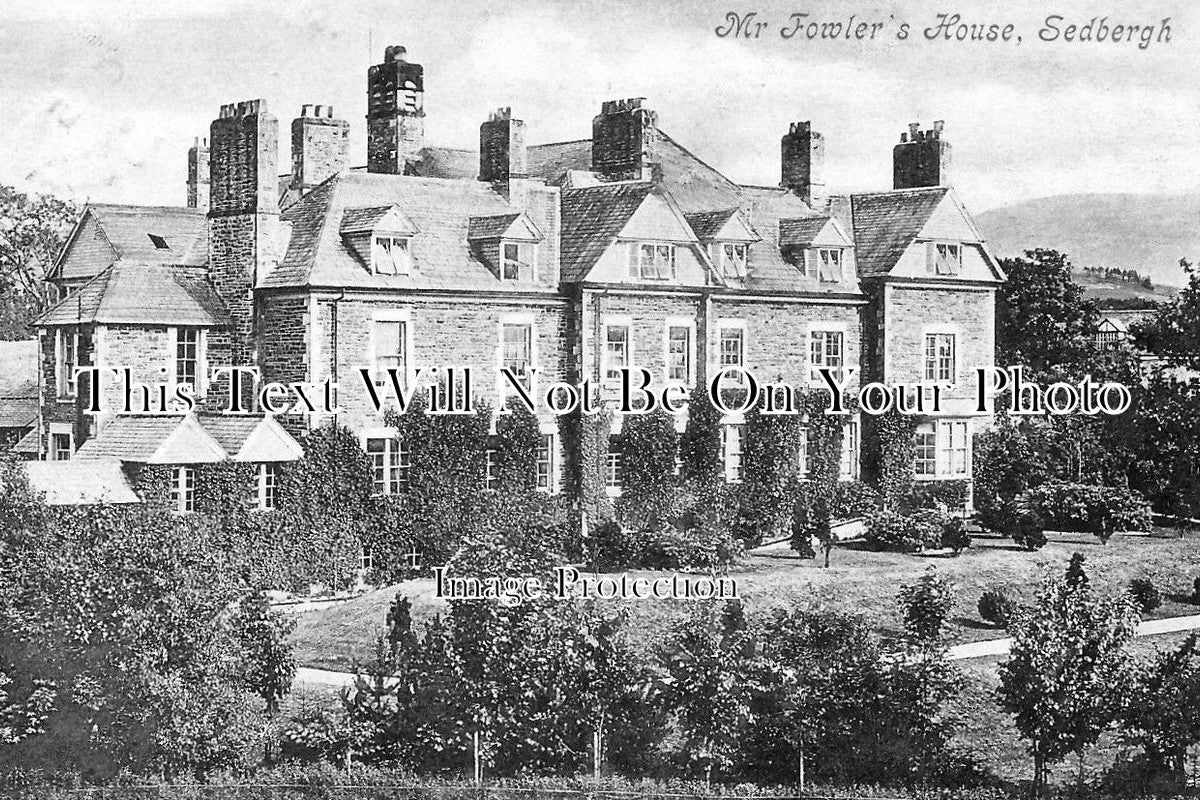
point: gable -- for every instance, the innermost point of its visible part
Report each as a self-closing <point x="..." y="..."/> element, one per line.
<point x="87" y="252"/>
<point x="656" y="220"/>
<point x="949" y="220"/>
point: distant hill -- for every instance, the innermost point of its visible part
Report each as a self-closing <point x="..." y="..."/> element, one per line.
<point x="1148" y="233"/>
<point x="1114" y="292"/>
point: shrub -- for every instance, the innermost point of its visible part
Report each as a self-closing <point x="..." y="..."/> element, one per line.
<point x="947" y="495"/>
<point x="926" y="605"/>
<point x="955" y="536"/>
<point x="1014" y="518"/>
<point x="648" y="446"/>
<point x="1101" y="510"/>
<point x="907" y="533"/>
<point x="853" y="499"/>
<point x="996" y="607"/>
<point x="1145" y="594"/>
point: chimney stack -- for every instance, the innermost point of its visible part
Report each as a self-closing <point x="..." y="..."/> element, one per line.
<point x="395" y="112"/>
<point x="320" y="146"/>
<point x="625" y="140"/>
<point x="922" y="158"/>
<point x="802" y="162"/>
<point x="244" y="211"/>
<point x="197" y="180"/>
<point x="502" y="147"/>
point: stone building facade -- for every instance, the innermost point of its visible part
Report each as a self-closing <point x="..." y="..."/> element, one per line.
<point x="577" y="258"/>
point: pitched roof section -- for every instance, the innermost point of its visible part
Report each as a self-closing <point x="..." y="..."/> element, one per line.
<point x="252" y="438"/>
<point x="886" y="223"/>
<point x="142" y="234"/>
<point x="517" y="227"/>
<point x="376" y="218"/>
<point x="75" y="483"/>
<point x="149" y="294"/>
<point x="591" y="220"/>
<point x="20" y="409"/>
<point x="799" y="232"/>
<point x="191" y="439"/>
<point x="317" y="255"/>
<point x="695" y="185"/>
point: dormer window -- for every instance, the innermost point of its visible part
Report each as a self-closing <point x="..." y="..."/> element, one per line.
<point x="390" y="254"/>
<point x="945" y="258"/>
<point x="651" y="261"/>
<point x="519" y="261"/>
<point x="824" y="264"/>
<point x="733" y="257"/>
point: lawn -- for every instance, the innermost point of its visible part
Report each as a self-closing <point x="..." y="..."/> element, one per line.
<point x="866" y="583"/>
<point x="857" y="581"/>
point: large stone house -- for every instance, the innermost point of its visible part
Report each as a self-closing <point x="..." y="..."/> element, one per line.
<point x="577" y="258"/>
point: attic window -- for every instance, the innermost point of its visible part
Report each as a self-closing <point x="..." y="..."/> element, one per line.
<point x="733" y="259"/>
<point x="518" y="260"/>
<point x="944" y="258"/>
<point x="390" y="255"/>
<point x="159" y="242"/>
<point x="651" y="262"/>
<point x="825" y="264"/>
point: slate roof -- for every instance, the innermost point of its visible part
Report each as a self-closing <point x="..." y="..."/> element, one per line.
<point x="141" y="438"/>
<point x="886" y="223"/>
<point x="74" y="483"/>
<point x="801" y="231"/>
<point x="28" y="444"/>
<point x="769" y="271"/>
<point x="492" y="227"/>
<point x="129" y="438"/>
<point x="318" y="255"/>
<point x="106" y="233"/>
<point x="18" y="409"/>
<point x="151" y="294"/>
<point x="706" y="224"/>
<point x="694" y="185"/>
<point x="591" y="219"/>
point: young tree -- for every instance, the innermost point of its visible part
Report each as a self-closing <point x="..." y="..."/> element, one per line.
<point x="1161" y="710"/>
<point x="926" y="605"/>
<point x="1068" y="652"/>
<point x="263" y="632"/>
<point x="708" y="662"/>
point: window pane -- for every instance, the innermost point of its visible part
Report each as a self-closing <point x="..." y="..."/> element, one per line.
<point x="616" y="350"/>
<point x="679" y="354"/>
<point x="545" y="464"/>
<point x="517" y="348"/>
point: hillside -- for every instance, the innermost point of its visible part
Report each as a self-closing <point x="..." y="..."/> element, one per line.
<point x="1148" y="233"/>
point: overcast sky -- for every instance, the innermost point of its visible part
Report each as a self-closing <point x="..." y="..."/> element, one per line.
<point x="102" y="98"/>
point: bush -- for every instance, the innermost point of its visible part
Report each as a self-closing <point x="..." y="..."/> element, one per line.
<point x="1014" y="518"/>
<point x="946" y="495"/>
<point x="1145" y="594"/>
<point x="926" y="605"/>
<point x="1101" y="510"/>
<point x="955" y="536"/>
<point x="996" y="607"/>
<point x="853" y="499"/>
<point x="907" y="533"/>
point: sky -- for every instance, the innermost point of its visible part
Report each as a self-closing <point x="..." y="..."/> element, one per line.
<point x="102" y="98"/>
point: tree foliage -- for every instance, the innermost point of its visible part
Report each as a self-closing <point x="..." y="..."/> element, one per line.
<point x="1067" y="653"/>
<point x="1043" y="321"/>
<point x="33" y="231"/>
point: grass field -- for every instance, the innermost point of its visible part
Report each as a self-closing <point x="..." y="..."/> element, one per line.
<point x="866" y="583"/>
<point x="857" y="581"/>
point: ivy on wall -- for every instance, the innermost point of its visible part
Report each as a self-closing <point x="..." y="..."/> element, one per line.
<point x="649" y="445"/>
<point x="889" y="450"/>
